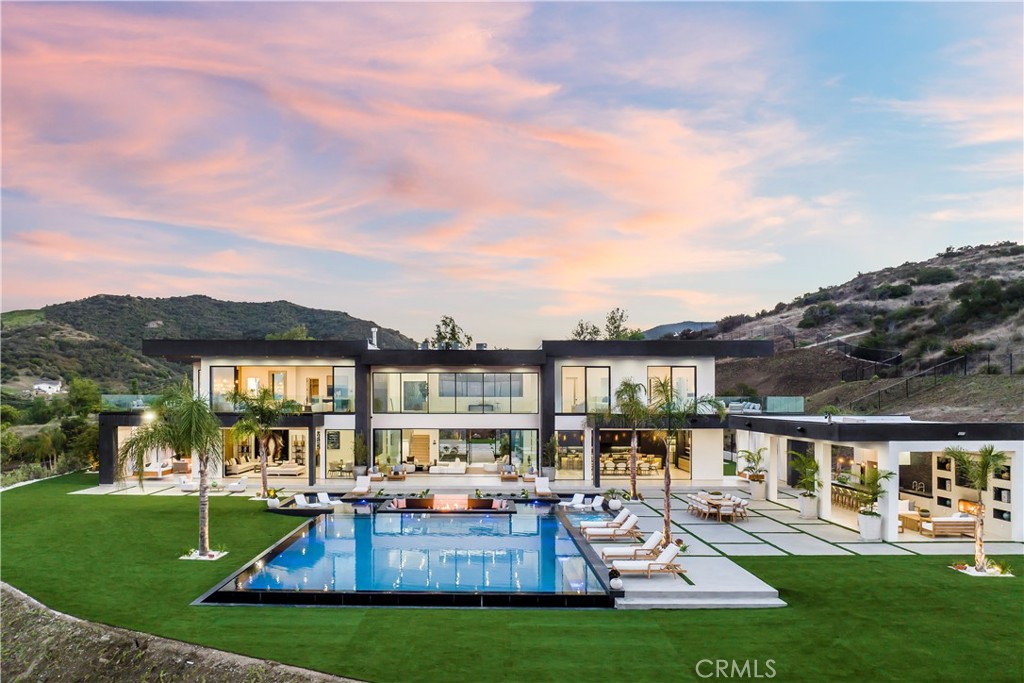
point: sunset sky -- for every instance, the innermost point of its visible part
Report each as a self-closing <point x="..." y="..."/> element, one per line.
<point x="518" y="167"/>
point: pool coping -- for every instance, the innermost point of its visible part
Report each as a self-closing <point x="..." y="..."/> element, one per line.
<point x="479" y="599"/>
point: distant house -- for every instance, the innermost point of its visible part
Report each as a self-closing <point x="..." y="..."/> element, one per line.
<point x="153" y="324"/>
<point x="48" y="388"/>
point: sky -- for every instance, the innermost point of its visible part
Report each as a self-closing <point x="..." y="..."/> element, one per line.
<point x="516" y="166"/>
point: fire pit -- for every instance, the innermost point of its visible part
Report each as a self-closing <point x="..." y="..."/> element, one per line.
<point x="448" y="503"/>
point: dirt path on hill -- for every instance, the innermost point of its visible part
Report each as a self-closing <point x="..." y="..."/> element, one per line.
<point x="40" y="644"/>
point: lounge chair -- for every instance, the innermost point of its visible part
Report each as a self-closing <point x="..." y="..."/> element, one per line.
<point x="648" y="551"/>
<point x="187" y="485"/>
<point x="396" y="473"/>
<point x="627" y="530"/>
<point x="541" y="487"/>
<point x="607" y="523"/>
<point x="664" y="563"/>
<point x="508" y="473"/>
<point x="530" y="475"/>
<point x="324" y="499"/>
<point x="376" y="474"/>
<point x="301" y="502"/>
<point x="362" y="486"/>
<point x="238" y="486"/>
<point x="577" y="499"/>
<point x="596" y="504"/>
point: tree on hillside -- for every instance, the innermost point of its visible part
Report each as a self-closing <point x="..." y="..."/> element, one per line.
<point x="259" y="413"/>
<point x="672" y="410"/>
<point x="10" y="442"/>
<point x="184" y="423"/>
<point x="631" y="404"/>
<point x="84" y="396"/>
<point x="977" y="470"/>
<point x="614" y="328"/>
<point x="585" y="331"/>
<point x="447" y="334"/>
<point x="299" y="333"/>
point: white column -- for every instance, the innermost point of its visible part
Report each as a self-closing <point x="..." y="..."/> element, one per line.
<point x="823" y="456"/>
<point x="772" y="477"/>
<point x="889" y="504"/>
<point x="1016" y="462"/>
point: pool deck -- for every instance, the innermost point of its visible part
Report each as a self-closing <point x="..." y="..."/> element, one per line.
<point x="713" y="581"/>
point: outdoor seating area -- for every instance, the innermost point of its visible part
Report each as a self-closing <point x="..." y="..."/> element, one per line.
<point x="718" y="505"/>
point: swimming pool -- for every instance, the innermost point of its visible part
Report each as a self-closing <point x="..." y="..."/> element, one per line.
<point x="522" y="559"/>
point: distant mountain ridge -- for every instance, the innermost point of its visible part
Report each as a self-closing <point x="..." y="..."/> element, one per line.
<point x="660" y="331"/>
<point x="100" y="337"/>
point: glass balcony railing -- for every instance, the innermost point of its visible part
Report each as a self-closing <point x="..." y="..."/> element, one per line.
<point x="124" y="402"/>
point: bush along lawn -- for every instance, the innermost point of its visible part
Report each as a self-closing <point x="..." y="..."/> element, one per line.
<point x="113" y="559"/>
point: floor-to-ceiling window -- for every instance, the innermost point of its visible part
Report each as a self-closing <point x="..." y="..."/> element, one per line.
<point x="456" y="392"/>
<point x="569" y="460"/>
<point x="585" y="389"/>
<point x="339" y="452"/>
<point x="223" y="383"/>
<point x="683" y="377"/>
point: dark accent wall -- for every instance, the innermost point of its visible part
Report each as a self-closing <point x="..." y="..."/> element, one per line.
<point x="547" y="402"/>
<point x="845" y="432"/>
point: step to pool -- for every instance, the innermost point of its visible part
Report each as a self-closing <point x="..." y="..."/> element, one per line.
<point x="698" y="602"/>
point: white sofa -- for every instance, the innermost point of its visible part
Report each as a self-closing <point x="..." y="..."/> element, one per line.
<point x="457" y="467"/>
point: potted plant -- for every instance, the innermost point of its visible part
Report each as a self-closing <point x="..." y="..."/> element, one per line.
<point x="808" y="481"/>
<point x="755" y="472"/>
<point x="359" y="454"/>
<point x="274" y="498"/>
<point x="550" y="456"/>
<point x="615" y="498"/>
<point x="869" y="521"/>
<point x="615" y="579"/>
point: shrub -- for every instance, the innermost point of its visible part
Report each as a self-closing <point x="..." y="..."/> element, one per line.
<point x="990" y="369"/>
<point x="934" y="276"/>
<point x="23" y="473"/>
<point x="816" y="315"/>
<point x="892" y="291"/>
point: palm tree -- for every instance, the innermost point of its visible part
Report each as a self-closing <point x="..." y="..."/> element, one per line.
<point x="183" y="422"/>
<point x="671" y="409"/>
<point x="977" y="470"/>
<point x="629" y="399"/>
<point x="260" y="412"/>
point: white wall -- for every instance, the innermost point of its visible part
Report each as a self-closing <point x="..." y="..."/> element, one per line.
<point x="706" y="460"/>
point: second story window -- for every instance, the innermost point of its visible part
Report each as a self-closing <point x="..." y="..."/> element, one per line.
<point x="585" y="389"/>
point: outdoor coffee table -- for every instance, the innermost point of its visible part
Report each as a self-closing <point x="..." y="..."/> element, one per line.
<point x="911" y="521"/>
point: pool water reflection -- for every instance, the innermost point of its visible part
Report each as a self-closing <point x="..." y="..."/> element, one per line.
<point x="518" y="553"/>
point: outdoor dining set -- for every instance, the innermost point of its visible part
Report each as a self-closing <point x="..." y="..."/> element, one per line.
<point x="717" y="505"/>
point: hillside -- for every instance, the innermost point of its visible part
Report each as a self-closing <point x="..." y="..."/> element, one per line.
<point x="968" y="299"/>
<point x="100" y="337"/>
<point x="799" y="372"/>
<point x="975" y="398"/>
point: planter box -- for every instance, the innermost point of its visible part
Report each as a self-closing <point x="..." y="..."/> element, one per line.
<point x="808" y="507"/>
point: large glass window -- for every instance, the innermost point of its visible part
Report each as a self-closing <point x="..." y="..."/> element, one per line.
<point x="387" y="392"/>
<point x="574" y="390"/>
<point x="684" y="379"/>
<point x="414" y="393"/>
<point x="343" y="391"/>
<point x="222" y="385"/>
<point x="339" y="452"/>
<point x="455" y="392"/>
<point x="585" y="390"/>
<point x="387" y="447"/>
<point x="599" y="385"/>
<point x="569" y="461"/>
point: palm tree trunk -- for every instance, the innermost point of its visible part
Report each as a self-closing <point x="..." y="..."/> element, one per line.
<point x="204" y="505"/>
<point x="979" y="539"/>
<point x="668" y="499"/>
<point x="632" y="466"/>
<point x="263" y="465"/>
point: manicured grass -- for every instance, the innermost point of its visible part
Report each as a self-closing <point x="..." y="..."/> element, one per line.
<point x="729" y="468"/>
<point x="112" y="559"/>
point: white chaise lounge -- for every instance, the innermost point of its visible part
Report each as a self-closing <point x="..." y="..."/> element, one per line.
<point x="649" y="550"/>
<point x="619" y="520"/>
<point x="627" y="530"/>
<point x="663" y="563"/>
<point x="362" y="486"/>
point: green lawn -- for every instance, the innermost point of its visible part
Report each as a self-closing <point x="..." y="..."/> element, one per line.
<point x="112" y="559"/>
